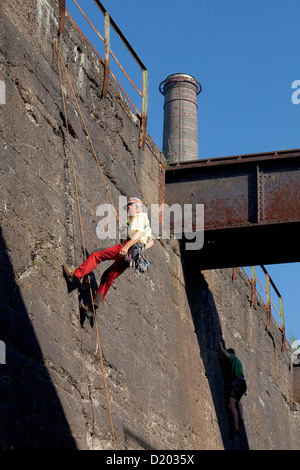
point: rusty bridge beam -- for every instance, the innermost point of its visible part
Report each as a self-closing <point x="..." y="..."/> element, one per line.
<point x="251" y="204"/>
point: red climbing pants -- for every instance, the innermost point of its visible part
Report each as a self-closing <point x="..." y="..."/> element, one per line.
<point x="108" y="277"/>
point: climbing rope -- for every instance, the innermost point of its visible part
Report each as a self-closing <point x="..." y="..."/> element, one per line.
<point x="59" y="58"/>
<point x="86" y="130"/>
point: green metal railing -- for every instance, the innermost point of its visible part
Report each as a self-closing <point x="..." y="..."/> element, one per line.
<point x="108" y="24"/>
<point x="267" y="301"/>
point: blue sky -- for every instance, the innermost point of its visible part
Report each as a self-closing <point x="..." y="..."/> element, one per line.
<point x="246" y="56"/>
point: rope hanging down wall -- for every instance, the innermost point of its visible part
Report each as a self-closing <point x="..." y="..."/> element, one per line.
<point x="60" y="60"/>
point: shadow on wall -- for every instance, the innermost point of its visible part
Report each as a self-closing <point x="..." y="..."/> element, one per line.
<point x="208" y="330"/>
<point x="31" y="413"/>
<point x="132" y="439"/>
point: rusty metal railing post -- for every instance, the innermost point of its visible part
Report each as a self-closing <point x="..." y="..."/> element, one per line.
<point x="144" y="117"/>
<point x="107" y="52"/>
<point x="108" y="24"/>
<point x="62" y="16"/>
<point x="255" y="295"/>
<point x="282" y="323"/>
<point x="253" y="287"/>
<point x="268" y="292"/>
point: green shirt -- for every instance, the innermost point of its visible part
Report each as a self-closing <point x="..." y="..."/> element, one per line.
<point x="236" y="368"/>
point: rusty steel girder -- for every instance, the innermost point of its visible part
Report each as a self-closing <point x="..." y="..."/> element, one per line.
<point x="250" y="203"/>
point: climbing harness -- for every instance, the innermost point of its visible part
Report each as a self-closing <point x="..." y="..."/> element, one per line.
<point x="137" y="259"/>
<point x="136" y="254"/>
<point x="59" y="58"/>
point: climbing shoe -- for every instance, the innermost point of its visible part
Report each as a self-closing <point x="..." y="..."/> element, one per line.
<point x="72" y="280"/>
<point x="68" y="273"/>
<point x="98" y="300"/>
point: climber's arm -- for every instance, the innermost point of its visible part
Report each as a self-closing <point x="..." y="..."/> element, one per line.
<point x="130" y="243"/>
<point x="223" y="350"/>
<point x="149" y="244"/>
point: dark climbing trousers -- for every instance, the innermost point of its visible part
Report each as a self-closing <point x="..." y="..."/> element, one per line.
<point x="238" y="388"/>
<point x="108" y="277"/>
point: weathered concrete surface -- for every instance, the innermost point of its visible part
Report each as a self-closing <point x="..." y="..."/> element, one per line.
<point x="297" y="384"/>
<point x="158" y="332"/>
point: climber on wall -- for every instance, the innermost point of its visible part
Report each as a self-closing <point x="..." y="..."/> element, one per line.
<point x="236" y="386"/>
<point x="128" y="252"/>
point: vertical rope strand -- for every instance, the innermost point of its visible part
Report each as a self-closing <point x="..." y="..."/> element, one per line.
<point x="81" y="228"/>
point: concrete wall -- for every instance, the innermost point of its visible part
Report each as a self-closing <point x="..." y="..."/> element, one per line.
<point x="296" y="384"/>
<point x="158" y="332"/>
